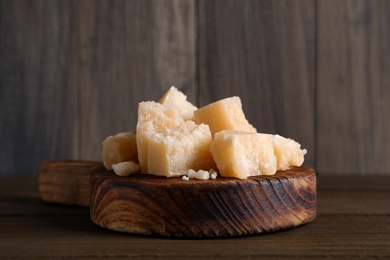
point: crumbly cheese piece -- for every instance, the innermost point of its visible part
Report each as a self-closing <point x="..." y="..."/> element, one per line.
<point x="242" y="154"/>
<point x="225" y="114"/>
<point x="213" y="174"/>
<point x="125" y="168"/>
<point x="173" y="152"/>
<point x="288" y="152"/>
<point x="200" y="175"/>
<point x="178" y="99"/>
<point x="119" y="148"/>
<point x="153" y="118"/>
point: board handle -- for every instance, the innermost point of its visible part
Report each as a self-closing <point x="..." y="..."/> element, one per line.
<point x="67" y="182"/>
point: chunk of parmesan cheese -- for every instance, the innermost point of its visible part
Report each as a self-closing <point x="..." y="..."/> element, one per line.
<point x="153" y="118"/>
<point x="178" y="99"/>
<point x="173" y="152"/>
<point x="225" y="114"/>
<point x="288" y="152"/>
<point x="242" y="154"/>
<point x="119" y="148"/>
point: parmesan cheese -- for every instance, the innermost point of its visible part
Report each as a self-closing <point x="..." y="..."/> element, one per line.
<point x="125" y="168"/>
<point x="225" y="114"/>
<point x="176" y="98"/>
<point x="242" y="154"/>
<point x="200" y="175"/>
<point x="174" y="138"/>
<point x="288" y="152"/>
<point x="153" y="118"/>
<point x="119" y="148"/>
<point x="173" y="152"/>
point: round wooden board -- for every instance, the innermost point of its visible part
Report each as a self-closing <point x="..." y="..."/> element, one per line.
<point x="225" y="207"/>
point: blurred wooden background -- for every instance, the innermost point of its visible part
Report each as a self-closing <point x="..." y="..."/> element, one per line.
<point x="72" y="72"/>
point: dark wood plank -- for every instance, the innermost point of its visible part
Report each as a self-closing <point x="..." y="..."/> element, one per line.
<point x="352" y="87"/>
<point x="264" y="52"/>
<point x="353" y="182"/>
<point x="74" y="236"/>
<point x="354" y="202"/>
<point x="20" y="197"/>
<point x="37" y="84"/>
<point x="130" y="51"/>
<point x="31" y="229"/>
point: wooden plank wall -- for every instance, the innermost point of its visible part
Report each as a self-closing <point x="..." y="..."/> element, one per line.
<point x="262" y="51"/>
<point x="130" y="51"/>
<point x="73" y="72"/>
<point x="38" y="86"/>
<point x="353" y="86"/>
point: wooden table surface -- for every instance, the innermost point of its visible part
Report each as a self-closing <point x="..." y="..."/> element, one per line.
<point x="353" y="220"/>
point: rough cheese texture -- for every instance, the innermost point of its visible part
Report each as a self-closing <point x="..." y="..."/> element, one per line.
<point x="242" y="154"/>
<point x="225" y="114"/>
<point x="153" y="118"/>
<point x="288" y="152"/>
<point x="119" y="148"/>
<point x="173" y="152"/>
<point x="200" y="175"/>
<point x="125" y="168"/>
<point x="176" y="98"/>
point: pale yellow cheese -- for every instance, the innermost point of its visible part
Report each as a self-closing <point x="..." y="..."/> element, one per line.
<point x="200" y="175"/>
<point x="225" y="114"/>
<point x="242" y="154"/>
<point x="178" y="99"/>
<point x="125" y="168"/>
<point x="119" y="148"/>
<point x="173" y="152"/>
<point x="169" y="143"/>
<point x="288" y="152"/>
<point x="153" y="118"/>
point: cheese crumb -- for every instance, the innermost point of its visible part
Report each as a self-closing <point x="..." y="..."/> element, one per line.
<point x="200" y="175"/>
<point x="125" y="168"/>
<point x="213" y="174"/>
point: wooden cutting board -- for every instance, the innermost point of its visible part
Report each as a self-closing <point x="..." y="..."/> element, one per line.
<point x="67" y="182"/>
<point x="172" y="207"/>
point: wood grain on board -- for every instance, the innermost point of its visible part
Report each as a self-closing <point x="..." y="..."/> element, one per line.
<point x="67" y="182"/>
<point x="353" y="93"/>
<point x="171" y="207"/>
<point x="225" y="207"/>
